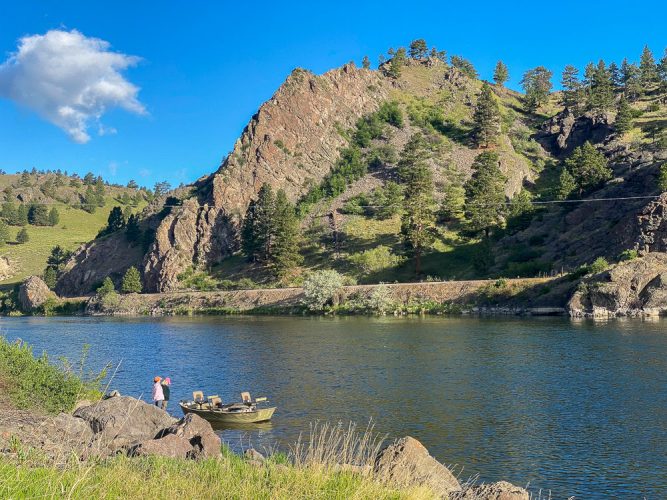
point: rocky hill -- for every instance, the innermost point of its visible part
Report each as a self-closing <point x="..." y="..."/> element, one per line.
<point x="299" y="139"/>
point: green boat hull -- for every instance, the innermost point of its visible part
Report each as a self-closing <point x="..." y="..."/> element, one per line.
<point x="231" y="417"/>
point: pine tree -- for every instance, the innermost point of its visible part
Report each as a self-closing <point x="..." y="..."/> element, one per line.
<point x="106" y="288"/>
<point x="599" y="87"/>
<point x="485" y="194"/>
<point x="630" y="79"/>
<point x="615" y="75"/>
<point x="8" y="213"/>
<point x="22" y="215"/>
<point x="418" y="49"/>
<point x="366" y="63"/>
<point x="396" y="63"/>
<point x="131" y="281"/>
<point x="588" y="167"/>
<point x="248" y="232"/>
<point x="453" y="202"/>
<point x="486" y="118"/>
<point x="22" y="236"/>
<point x="38" y="215"/>
<point x="500" y="74"/>
<point x="58" y="258"/>
<point x="100" y="192"/>
<point x="537" y="85"/>
<point x="285" y="254"/>
<point x="132" y="229"/>
<point x="572" y="89"/>
<point x="50" y="277"/>
<point x="264" y="227"/>
<point x="54" y="216"/>
<point x="4" y="233"/>
<point x="115" y="221"/>
<point x="566" y="185"/>
<point x="623" y="116"/>
<point x="89" y="200"/>
<point x="648" y="71"/>
<point x="662" y="71"/>
<point x="417" y="223"/>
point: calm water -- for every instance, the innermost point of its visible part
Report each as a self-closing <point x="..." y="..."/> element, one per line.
<point x="579" y="408"/>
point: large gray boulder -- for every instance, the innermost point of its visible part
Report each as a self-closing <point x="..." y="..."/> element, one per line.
<point x="408" y="463"/>
<point x="502" y="490"/>
<point x="33" y="292"/>
<point x="198" y="433"/>
<point x="170" y="445"/>
<point x="121" y="422"/>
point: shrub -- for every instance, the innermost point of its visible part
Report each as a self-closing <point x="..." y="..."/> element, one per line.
<point x="375" y="259"/>
<point x="106" y="287"/>
<point x="22" y="236"/>
<point x="598" y="265"/>
<point x="50" y="277"/>
<point x="628" y="255"/>
<point x="321" y="288"/>
<point x="380" y="300"/>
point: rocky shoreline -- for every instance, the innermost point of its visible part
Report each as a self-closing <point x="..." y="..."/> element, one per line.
<point x="127" y="426"/>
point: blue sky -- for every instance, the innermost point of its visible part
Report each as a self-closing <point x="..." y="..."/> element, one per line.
<point x="206" y="66"/>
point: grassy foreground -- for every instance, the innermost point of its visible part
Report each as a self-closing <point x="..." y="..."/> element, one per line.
<point x="228" y="477"/>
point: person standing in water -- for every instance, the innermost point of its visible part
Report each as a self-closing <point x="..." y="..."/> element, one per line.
<point x="165" y="392"/>
<point x="158" y="395"/>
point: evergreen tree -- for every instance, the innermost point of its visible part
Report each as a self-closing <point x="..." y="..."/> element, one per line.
<point x="25" y="181"/>
<point x="50" y="277"/>
<point x="4" y="233"/>
<point x="616" y="77"/>
<point x="264" y="227"/>
<point x="387" y="200"/>
<point x="572" y="90"/>
<point x="418" y="49"/>
<point x="106" y="288"/>
<point x="131" y="281"/>
<point x="58" y="258"/>
<point x="38" y="215"/>
<point x="248" y="232"/>
<point x="132" y="230"/>
<point x="366" y="63"/>
<point x="588" y="167"/>
<point x="537" y="85"/>
<point x="396" y="63"/>
<point x="648" y="71"/>
<point x="630" y="79"/>
<point x="662" y="72"/>
<point x="285" y="254"/>
<point x="22" y="215"/>
<point x="500" y="74"/>
<point x="100" y="192"/>
<point x="89" y="200"/>
<point x="439" y="55"/>
<point x="132" y="184"/>
<point x="623" y="116"/>
<point x="89" y="179"/>
<point x="465" y="66"/>
<point x="599" y="86"/>
<point x="8" y="213"/>
<point x="566" y="185"/>
<point x="22" y="236"/>
<point x="486" y="118"/>
<point x="485" y="194"/>
<point x="417" y="223"/>
<point x="54" y="216"/>
<point x="115" y="221"/>
<point x="452" y="206"/>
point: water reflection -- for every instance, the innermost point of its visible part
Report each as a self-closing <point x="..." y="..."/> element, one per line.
<point x="577" y="407"/>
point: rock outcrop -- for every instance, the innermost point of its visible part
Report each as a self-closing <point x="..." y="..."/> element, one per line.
<point x="33" y="292"/>
<point x="292" y="141"/>
<point x="198" y="433"/>
<point x="633" y="288"/>
<point x="502" y="490"/>
<point x="408" y="463"/>
<point x="170" y="446"/>
<point x="565" y="131"/>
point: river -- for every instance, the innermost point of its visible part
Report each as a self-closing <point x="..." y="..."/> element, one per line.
<point x="574" y="407"/>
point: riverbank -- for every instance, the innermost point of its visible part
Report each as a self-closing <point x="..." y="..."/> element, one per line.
<point x="121" y="447"/>
<point x="534" y="296"/>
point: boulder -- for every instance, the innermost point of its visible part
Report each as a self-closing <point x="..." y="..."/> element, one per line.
<point x="562" y="133"/>
<point x="408" y="463"/>
<point x="253" y="455"/>
<point x="170" y="445"/>
<point x="123" y="421"/>
<point x="33" y="292"/>
<point x="199" y="433"/>
<point x="501" y="490"/>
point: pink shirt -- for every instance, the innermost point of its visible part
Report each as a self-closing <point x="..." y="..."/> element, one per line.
<point x="158" y="395"/>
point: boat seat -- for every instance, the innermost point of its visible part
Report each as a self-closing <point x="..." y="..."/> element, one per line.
<point x="245" y="397"/>
<point x="214" y="401"/>
<point x="198" y="397"/>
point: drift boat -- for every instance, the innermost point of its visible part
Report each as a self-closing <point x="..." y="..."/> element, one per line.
<point x="212" y="409"/>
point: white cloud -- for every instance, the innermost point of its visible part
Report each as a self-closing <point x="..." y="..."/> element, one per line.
<point x="69" y="80"/>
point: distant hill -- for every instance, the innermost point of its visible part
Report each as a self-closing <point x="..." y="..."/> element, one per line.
<point x="82" y="206"/>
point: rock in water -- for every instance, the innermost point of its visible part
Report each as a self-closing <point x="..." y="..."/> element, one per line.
<point x="199" y="433"/>
<point x="122" y="421"/>
<point x="33" y="292"/>
<point x="408" y="463"/>
<point x="501" y="490"/>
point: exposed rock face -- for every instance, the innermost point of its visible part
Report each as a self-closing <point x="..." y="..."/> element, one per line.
<point x="632" y="288"/>
<point x="91" y="263"/>
<point x="170" y="445"/>
<point x="501" y="490"/>
<point x="652" y="226"/>
<point x="198" y="433"/>
<point x="33" y="292"/>
<point x="293" y="139"/>
<point x="407" y="462"/>
<point x="562" y="133"/>
<point x="123" y="421"/>
<point x="6" y="268"/>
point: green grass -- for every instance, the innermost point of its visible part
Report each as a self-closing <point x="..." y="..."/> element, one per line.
<point x="75" y="228"/>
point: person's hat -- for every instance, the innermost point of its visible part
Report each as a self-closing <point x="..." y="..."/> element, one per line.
<point x="167" y="380"/>
<point x="157" y="379"/>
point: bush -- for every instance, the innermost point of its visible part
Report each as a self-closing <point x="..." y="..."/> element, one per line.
<point x="106" y="287"/>
<point x="628" y="255"/>
<point x="321" y="288"/>
<point x="380" y="300"/>
<point x="598" y="265"/>
<point x="131" y="281"/>
<point x="22" y="236"/>
<point x="375" y="259"/>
